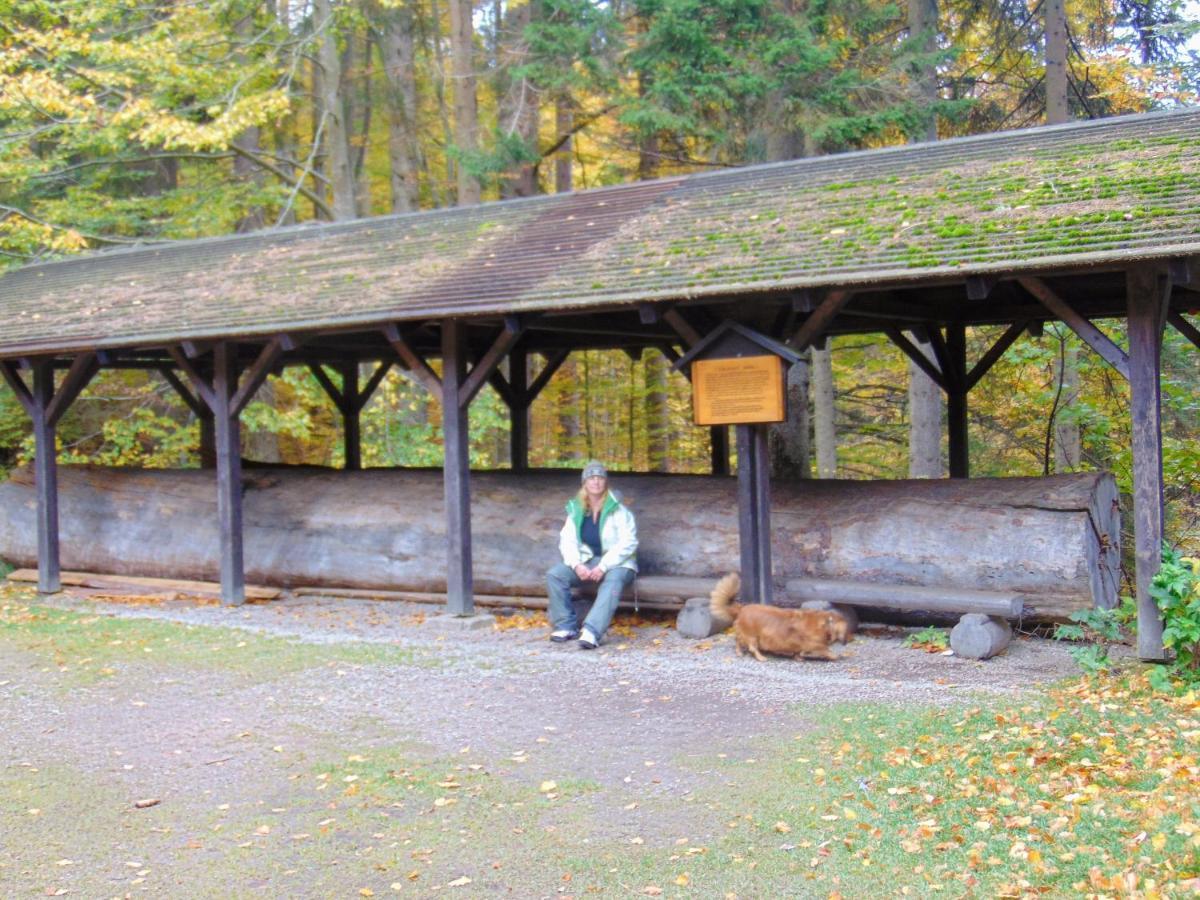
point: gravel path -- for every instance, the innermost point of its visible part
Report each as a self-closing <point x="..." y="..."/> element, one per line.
<point x="645" y="719"/>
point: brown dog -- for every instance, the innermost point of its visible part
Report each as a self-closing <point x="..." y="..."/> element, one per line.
<point x="759" y="628"/>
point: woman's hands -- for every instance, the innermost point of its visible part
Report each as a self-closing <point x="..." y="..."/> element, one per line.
<point x="583" y="573"/>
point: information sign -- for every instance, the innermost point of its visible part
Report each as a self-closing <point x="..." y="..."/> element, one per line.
<point x="738" y="391"/>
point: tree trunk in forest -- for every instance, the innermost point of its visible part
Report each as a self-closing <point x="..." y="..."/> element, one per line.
<point x="1067" y="440"/>
<point x="397" y="50"/>
<point x="564" y="121"/>
<point x="924" y="396"/>
<point x="658" y="419"/>
<point x="335" y="137"/>
<point x="824" y="412"/>
<point x="569" y="404"/>
<point x="789" y="447"/>
<point x="1068" y="444"/>
<point x="1055" y="12"/>
<point x="262" y="445"/>
<point x="1055" y="540"/>
<point x="923" y="27"/>
<point x="245" y="170"/>
<point x="466" y="106"/>
<point x="518" y="101"/>
<point x="924" y="419"/>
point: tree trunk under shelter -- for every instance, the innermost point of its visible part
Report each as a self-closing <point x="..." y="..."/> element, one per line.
<point x="1054" y="540"/>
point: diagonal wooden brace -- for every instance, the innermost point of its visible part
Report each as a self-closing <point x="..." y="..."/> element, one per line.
<point x="18" y="385"/>
<point x="1088" y="333"/>
<point x="913" y="352"/>
<point x="413" y="361"/>
<point x="83" y="369"/>
<point x="820" y="319"/>
<point x="474" y="382"/>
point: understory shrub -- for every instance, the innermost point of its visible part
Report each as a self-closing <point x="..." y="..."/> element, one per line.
<point x="1176" y="590"/>
<point x="1094" y="630"/>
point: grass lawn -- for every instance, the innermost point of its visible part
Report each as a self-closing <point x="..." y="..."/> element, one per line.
<point x="1092" y="787"/>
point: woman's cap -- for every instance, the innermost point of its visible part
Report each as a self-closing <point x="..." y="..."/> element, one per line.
<point x="593" y="468"/>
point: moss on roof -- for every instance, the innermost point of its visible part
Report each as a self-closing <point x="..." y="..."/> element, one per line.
<point x="1013" y="201"/>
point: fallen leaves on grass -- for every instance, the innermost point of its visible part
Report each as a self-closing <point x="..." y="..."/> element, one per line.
<point x="1097" y="789"/>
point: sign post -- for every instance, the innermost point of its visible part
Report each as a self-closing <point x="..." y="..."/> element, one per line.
<point x="739" y="378"/>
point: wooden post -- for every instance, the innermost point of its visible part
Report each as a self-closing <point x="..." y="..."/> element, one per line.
<point x="518" y="380"/>
<point x="456" y="471"/>
<point x="46" y="478"/>
<point x="754" y="513"/>
<point x="350" y="408"/>
<point x="1147" y="316"/>
<point x="227" y="431"/>
<point x="720" y="449"/>
<point x="208" y="440"/>
<point x="956" y="401"/>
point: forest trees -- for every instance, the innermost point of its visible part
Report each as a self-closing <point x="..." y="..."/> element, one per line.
<point x="122" y="123"/>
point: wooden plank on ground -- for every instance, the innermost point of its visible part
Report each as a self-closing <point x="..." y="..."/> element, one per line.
<point x="117" y="582"/>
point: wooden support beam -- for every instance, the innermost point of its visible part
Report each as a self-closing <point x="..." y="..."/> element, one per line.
<point x="194" y="403"/>
<point x="553" y="362"/>
<point x="351" y="421"/>
<point x="373" y="383"/>
<point x="1088" y="333"/>
<point x="202" y="385"/>
<point x="18" y="385"/>
<point x="45" y="465"/>
<point x="456" y="472"/>
<point x="997" y="350"/>
<point x="518" y="407"/>
<point x="913" y="352"/>
<point x="1146" y="316"/>
<point x="720" y="449"/>
<point x="804" y="301"/>
<point x="979" y="287"/>
<point x="754" y="514"/>
<point x="256" y="374"/>
<point x="195" y="349"/>
<point x="83" y="369"/>
<point x="937" y="342"/>
<point x="229" y="473"/>
<point x="501" y="386"/>
<point x="1184" y="327"/>
<point x="413" y="361"/>
<point x="689" y="335"/>
<point x="331" y="389"/>
<point x="820" y="319"/>
<point x="956" y="400"/>
<point x="505" y="340"/>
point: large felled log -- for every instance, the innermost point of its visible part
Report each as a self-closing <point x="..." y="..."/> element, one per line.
<point x="1055" y="540"/>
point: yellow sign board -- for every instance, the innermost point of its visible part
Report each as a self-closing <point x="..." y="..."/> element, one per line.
<point x="743" y="391"/>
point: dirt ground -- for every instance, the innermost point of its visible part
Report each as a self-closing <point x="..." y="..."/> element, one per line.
<point x="254" y="769"/>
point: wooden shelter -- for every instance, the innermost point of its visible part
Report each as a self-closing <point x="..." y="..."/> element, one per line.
<point x="1076" y="223"/>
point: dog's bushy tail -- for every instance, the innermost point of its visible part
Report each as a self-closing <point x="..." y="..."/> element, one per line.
<point x="720" y="601"/>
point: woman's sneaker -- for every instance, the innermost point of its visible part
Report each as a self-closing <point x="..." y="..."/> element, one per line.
<point x="563" y="635"/>
<point x="587" y="640"/>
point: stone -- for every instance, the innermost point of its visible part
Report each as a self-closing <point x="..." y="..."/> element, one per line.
<point x="462" y="623"/>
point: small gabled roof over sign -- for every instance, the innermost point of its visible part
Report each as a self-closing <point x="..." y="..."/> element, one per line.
<point x="1100" y="193"/>
<point x="732" y="340"/>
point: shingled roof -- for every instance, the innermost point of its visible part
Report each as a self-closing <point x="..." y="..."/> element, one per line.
<point x="1096" y="192"/>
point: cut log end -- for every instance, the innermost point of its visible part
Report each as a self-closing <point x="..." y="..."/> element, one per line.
<point x="977" y="636"/>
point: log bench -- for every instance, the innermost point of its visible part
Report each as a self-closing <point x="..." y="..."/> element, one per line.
<point x="981" y="633"/>
<point x="662" y="592"/>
